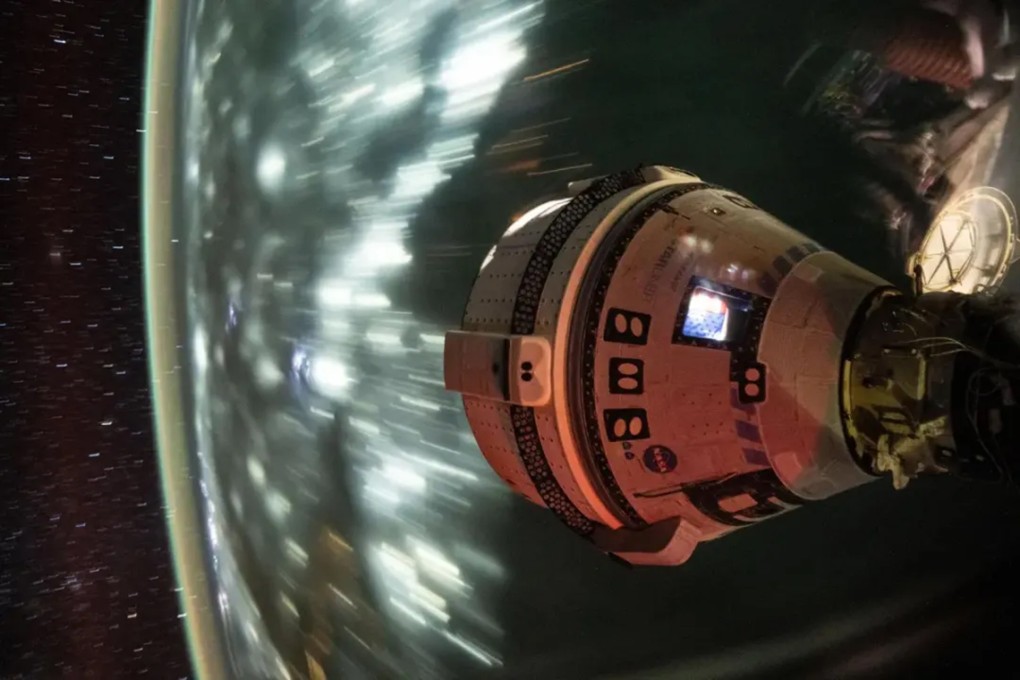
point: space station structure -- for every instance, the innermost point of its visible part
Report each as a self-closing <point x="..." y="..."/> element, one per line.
<point x="660" y="362"/>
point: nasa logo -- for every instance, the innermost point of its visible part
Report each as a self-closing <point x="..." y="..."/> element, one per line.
<point x="660" y="459"/>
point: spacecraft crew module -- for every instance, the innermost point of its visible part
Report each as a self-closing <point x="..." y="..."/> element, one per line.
<point x="659" y="362"/>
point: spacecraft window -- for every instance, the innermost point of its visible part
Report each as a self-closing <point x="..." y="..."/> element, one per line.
<point x="714" y="316"/>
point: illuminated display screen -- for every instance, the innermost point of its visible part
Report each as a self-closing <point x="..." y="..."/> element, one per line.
<point x="714" y="316"/>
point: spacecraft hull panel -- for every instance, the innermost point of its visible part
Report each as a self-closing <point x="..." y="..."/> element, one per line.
<point x="802" y="344"/>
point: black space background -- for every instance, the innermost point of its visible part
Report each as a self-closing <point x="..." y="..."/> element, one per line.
<point x="86" y="587"/>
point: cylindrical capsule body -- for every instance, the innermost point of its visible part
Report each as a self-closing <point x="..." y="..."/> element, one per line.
<point x="658" y="361"/>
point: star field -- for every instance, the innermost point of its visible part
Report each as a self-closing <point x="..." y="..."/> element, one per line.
<point x="86" y="587"/>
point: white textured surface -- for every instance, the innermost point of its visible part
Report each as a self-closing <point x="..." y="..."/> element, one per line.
<point x="801" y="346"/>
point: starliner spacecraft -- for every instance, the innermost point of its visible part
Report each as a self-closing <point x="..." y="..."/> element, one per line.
<point x="659" y="362"/>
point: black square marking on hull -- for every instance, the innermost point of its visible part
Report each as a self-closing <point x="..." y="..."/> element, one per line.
<point x="626" y="424"/>
<point x="626" y="376"/>
<point x="627" y="327"/>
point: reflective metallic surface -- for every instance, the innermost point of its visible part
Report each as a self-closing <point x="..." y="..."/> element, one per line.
<point x="323" y="182"/>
